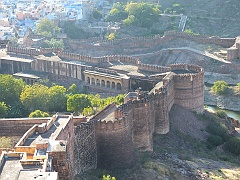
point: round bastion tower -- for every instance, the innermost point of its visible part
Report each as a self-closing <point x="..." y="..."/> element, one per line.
<point x="189" y="86"/>
<point x="114" y="143"/>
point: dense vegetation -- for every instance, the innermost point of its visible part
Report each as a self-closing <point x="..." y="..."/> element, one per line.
<point x="18" y="99"/>
<point x="220" y="87"/>
<point x="47" y="28"/>
<point x="133" y="13"/>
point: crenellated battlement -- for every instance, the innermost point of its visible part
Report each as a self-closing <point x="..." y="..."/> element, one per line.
<point x="153" y="68"/>
<point x="113" y="125"/>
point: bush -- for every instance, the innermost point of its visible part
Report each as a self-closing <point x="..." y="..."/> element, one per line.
<point x="233" y="145"/>
<point x="3" y="110"/>
<point x="215" y="140"/>
<point x="218" y="129"/>
<point x="220" y="87"/>
<point x="6" y="142"/>
<point x="238" y="86"/>
<point x="108" y="177"/>
<point x="38" y="113"/>
<point x="221" y="114"/>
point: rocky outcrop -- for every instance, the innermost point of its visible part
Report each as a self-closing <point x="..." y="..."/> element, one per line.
<point x="223" y="102"/>
<point x="211" y="77"/>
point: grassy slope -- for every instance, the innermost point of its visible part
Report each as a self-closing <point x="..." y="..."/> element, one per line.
<point x="210" y="17"/>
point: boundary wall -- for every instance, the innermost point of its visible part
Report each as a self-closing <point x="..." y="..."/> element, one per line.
<point x="145" y="41"/>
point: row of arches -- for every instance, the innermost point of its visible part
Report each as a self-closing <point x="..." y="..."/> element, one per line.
<point x="104" y="83"/>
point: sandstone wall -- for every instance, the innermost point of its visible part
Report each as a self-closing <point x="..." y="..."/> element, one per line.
<point x="189" y="88"/>
<point x="114" y="143"/>
<point x="17" y="127"/>
<point x="153" y="68"/>
<point x="67" y="134"/>
<point x="85" y="149"/>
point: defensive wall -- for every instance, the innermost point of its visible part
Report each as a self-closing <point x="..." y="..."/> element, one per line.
<point x="234" y="51"/>
<point x="109" y="138"/>
<point x="18" y="126"/>
<point x="128" y="45"/>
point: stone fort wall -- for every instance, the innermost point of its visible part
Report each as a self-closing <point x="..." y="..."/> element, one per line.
<point x="110" y="144"/>
<point x="106" y="46"/>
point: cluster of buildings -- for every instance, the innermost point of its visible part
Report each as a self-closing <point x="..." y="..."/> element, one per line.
<point x="17" y="16"/>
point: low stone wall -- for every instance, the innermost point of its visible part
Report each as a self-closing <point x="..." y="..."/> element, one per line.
<point x="18" y="126"/>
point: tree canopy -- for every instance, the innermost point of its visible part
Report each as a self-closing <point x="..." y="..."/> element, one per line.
<point x="220" y="87"/>
<point x="38" y="113"/>
<point x="10" y="88"/>
<point x="34" y="97"/>
<point x="77" y="102"/>
<point x="54" y="43"/>
<point x="74" y="32"/>
<point x="133" y="13"/>
<point x="3" y="110"/>
<point x="47" y="28"/>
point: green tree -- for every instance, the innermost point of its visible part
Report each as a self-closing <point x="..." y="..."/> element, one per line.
<point x="233" y="145"/>
<point x="111" y="36"/>
<point x="145" y="14"/>
<point x="238" y="86"/>
<point x="14" y="42"/>
<point x="3" y="110"/>
<point x="220" y="87"/>
<point x="88" y="111"/>
<point x="74" y="32"/>
<point x="38" y="113"/>
<point x="35" y="97"/>
<point x="47" y="28"/>
<point x="77" y="102"/>
<point x="96" y="14"/>
<point x="73" y="89"/>
<point x="54" y="43"/>
<point x="57" y="98"/>
<point x="10" y="88"/>
<point x="117" y="13"/>
<point x="108" y="177"/>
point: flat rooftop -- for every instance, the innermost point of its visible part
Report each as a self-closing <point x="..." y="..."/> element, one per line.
<point x="50" y="134"/>
<point x="11" y="58"/>
<point x="12" y="169"/>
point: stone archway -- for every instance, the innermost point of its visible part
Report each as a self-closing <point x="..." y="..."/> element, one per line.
<point x="88" y="80"/>
<point x="119" y="86"/>
<point x="98" y="82"/>
<point x="93" y="81"/>
<point x="103" y="83"/>
<point x="113" y="85"/>
<point x="108" y="84"/>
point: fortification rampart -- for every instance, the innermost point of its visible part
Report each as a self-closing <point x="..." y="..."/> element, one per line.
<point x="85" y="148"/>
<point x="189" y="87"/>
<point x="112" y="134"/>
<point x="234" y="51"/>
<point x="18" y="126"/>
<point x="153" y="68"/>
<point x="224" y="42"/>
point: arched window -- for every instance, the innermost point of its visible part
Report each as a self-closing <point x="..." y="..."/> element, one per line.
<point x="108" y="84"/>
<point x="88" y="80"/>
<point x="93" y="81"/>
<point x="119" y="86"/>
<point x="103" y="83"/>
<point x="98" y="82"/>
<point x="113" y="85"/>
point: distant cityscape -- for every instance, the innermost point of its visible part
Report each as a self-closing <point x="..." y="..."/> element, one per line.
<point x="17" y="16"/>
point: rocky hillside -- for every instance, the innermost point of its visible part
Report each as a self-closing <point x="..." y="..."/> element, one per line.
<point x="210" y="17"/>
<point x="182" y="154"/>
